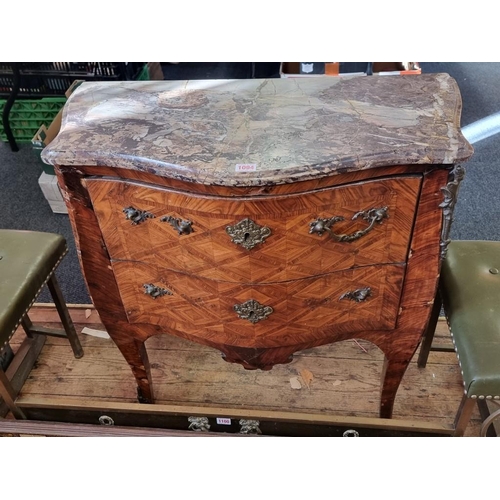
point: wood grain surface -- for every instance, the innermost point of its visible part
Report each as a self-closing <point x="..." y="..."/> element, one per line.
<point x="289" y="253"/>
<point x="189" y="376"/>
<point x="302" y="309"/>
<point x="337" y="178"/>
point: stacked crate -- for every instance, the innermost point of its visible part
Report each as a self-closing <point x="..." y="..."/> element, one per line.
<point x="27" y="115"/>
<point x="43" y="135"/>
<point x="39" y="87"/>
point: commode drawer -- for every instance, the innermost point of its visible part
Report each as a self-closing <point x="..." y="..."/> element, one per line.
<point x="259" y="240"/>
<point x="266" y="315"/>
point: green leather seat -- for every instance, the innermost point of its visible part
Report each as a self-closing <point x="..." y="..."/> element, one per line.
<point x="470" y="289"/>
<point x="27" y="259"/>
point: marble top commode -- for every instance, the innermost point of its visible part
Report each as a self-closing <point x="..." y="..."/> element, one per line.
<point x="191" y="218"/>
<point x="257" y="132"/>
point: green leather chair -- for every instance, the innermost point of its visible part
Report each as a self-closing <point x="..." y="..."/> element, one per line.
<point x="28" y="260"/>
<point x="469" y="291"/>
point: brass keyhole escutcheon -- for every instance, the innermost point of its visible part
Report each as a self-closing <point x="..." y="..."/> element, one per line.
<point x="248" y="233"/>
<point x="253" y="311"/>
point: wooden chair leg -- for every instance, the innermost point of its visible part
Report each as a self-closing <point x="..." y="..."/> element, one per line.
<point x="6" y="357"/>
<point x="8" y="395"/>
<point x="464" y="414"/>
<point x="20" y="368"/>
<point x="426" y="344"/>
<point x="27" y="326"/>
<point x="487" y="430"/>
<point x="62" y="309"/>
<point x="486" y="416"/>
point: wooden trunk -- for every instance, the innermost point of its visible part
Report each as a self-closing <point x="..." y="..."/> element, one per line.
<point x="324" y="391"/>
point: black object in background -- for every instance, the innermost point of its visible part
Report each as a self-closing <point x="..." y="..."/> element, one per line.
<point x="312" y="68"/>
<point x="220" y="70"/>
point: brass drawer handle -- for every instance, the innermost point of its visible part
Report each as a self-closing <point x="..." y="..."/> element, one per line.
<point x="358" y="295"/>
<point x="199" y="424"/>
<point x="105" y="420"/>
<point x="351" y="433"/>
<point x="181" y="226"/>
<point x="136" y="216"/>
<point x="252" y="310"/>
<point x="155" y="291"/>
<point x="247" y="233"/>
<point x="372" y="216"/>
<point x="250" y="426"/>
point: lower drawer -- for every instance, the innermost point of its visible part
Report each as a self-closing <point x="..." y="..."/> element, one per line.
<point x="270" y="315"/>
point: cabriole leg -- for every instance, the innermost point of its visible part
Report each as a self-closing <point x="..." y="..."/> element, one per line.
<point x="134" y="352"/>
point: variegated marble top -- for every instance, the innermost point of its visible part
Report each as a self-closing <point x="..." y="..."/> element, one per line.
<point x="257" y="132"/>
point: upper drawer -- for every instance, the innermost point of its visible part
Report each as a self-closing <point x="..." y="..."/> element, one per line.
<point x="258" y="240"/>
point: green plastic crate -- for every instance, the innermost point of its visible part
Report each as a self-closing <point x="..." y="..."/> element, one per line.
<point x="28" y="115"/>
<point x="144" y="73"/>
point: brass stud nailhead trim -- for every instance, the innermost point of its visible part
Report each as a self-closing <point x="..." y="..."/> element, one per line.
<point x="36" y="296"/>
<point x="460" y="364"/>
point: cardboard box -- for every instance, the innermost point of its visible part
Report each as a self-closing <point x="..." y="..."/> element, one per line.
<point x="44" y="136"/>
<point x="155" y="72"/>
<point x="48" y="181"/>
<point x="50" y="189"/>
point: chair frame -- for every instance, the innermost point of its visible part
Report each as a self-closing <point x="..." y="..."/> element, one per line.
<point x="13" y="378"/>
<point x="467" y="404"/>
